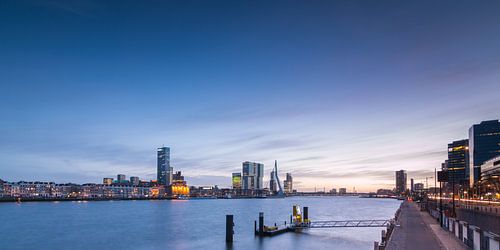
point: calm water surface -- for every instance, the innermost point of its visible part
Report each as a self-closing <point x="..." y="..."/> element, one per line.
<point x="191" y="224"/>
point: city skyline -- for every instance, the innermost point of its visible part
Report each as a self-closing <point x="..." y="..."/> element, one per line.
<point x="341" y="94"/>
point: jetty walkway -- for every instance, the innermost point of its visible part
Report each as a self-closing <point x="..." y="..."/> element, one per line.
<point x="418" y="230"/>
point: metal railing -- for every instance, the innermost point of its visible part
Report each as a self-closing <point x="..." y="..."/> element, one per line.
<point x="345" y="223"/>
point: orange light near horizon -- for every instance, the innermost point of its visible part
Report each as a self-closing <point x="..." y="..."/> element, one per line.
<point x="180" y="190"/>
<point x="155" y="192"/>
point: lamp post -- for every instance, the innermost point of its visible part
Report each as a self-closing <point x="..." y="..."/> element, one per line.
<point x="453" y="195"/>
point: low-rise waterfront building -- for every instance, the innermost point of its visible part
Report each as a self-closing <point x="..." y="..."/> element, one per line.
<point x="107" y="181"/>
<point x="419" y="187"/>
<point x="51" y="190"/>
<point x="1" y="188"/>
<point x="134" y="181"/>
<point x="385" y="192"/>
<point x="121" y="178"/>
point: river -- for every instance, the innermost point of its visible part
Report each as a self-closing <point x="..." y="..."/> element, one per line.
<point x="185" y="224"/>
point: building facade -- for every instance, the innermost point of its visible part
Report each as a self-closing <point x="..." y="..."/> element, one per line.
<point x="236" y="181"/>
<point x="273" y="187"/>
<point x="458" y="162"/>
<point x="179" y="186"/>
<point x="484" y="144"/>
<point x="134" y="181"/>
<point x="121" y="178"/>
<point x="51" y="190"/>
<point x="288" y="183"/>
<point x="490" y="176"/>
<point x="253" y="176"/>
<point x="419" y="187"/>
<point x="107" y="181"/>
<point x="401" y="182"/>
<point x="164" y="171"/>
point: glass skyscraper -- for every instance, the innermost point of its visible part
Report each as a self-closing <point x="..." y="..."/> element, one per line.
<point x="164" y="171"/>
<point x="484" y="144"/>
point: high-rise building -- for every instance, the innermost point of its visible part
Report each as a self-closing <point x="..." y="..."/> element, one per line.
<point x="411" y="186"/>
<point x="164" y="171"/>
<point x="236" y="180"/>
<point x="272" y="183"/>
<point x="484" y="144"/>
<point x="134" y="180"/>
<point x="253" y="175"/>
<point x="400" y="182"/>
<point x="107" y="181"/>
<point x="342" y="191"/>
<point x="333" y="191"/>
<point x="288" y="184"/>
<point x="120" y="178"/>
<point x="458" y="162"/>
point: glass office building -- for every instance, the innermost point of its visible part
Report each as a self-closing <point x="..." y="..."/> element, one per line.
<point x="164" y="171"/>
<point x="484" y="144"/>
<point x="458" y="162"/>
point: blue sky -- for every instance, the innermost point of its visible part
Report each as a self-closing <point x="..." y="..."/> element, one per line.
<point x="341" y="93"/>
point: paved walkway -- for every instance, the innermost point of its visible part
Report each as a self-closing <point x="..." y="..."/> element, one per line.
<point x="418" y="230"/>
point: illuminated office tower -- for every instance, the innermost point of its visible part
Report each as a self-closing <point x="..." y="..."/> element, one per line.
<point x="484" y="144"/>
<point x="458" y="162"/>
<point x="164" y="171"/>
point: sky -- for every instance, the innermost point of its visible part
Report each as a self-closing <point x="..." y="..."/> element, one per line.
<point x="341" y="93"/>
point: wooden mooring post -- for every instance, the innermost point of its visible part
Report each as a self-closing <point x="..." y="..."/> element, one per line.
<point x="261" y="223"/>
<point x="229" y="228"/>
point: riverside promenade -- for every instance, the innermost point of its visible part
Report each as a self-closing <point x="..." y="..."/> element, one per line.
<point x="418" y="230"/>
